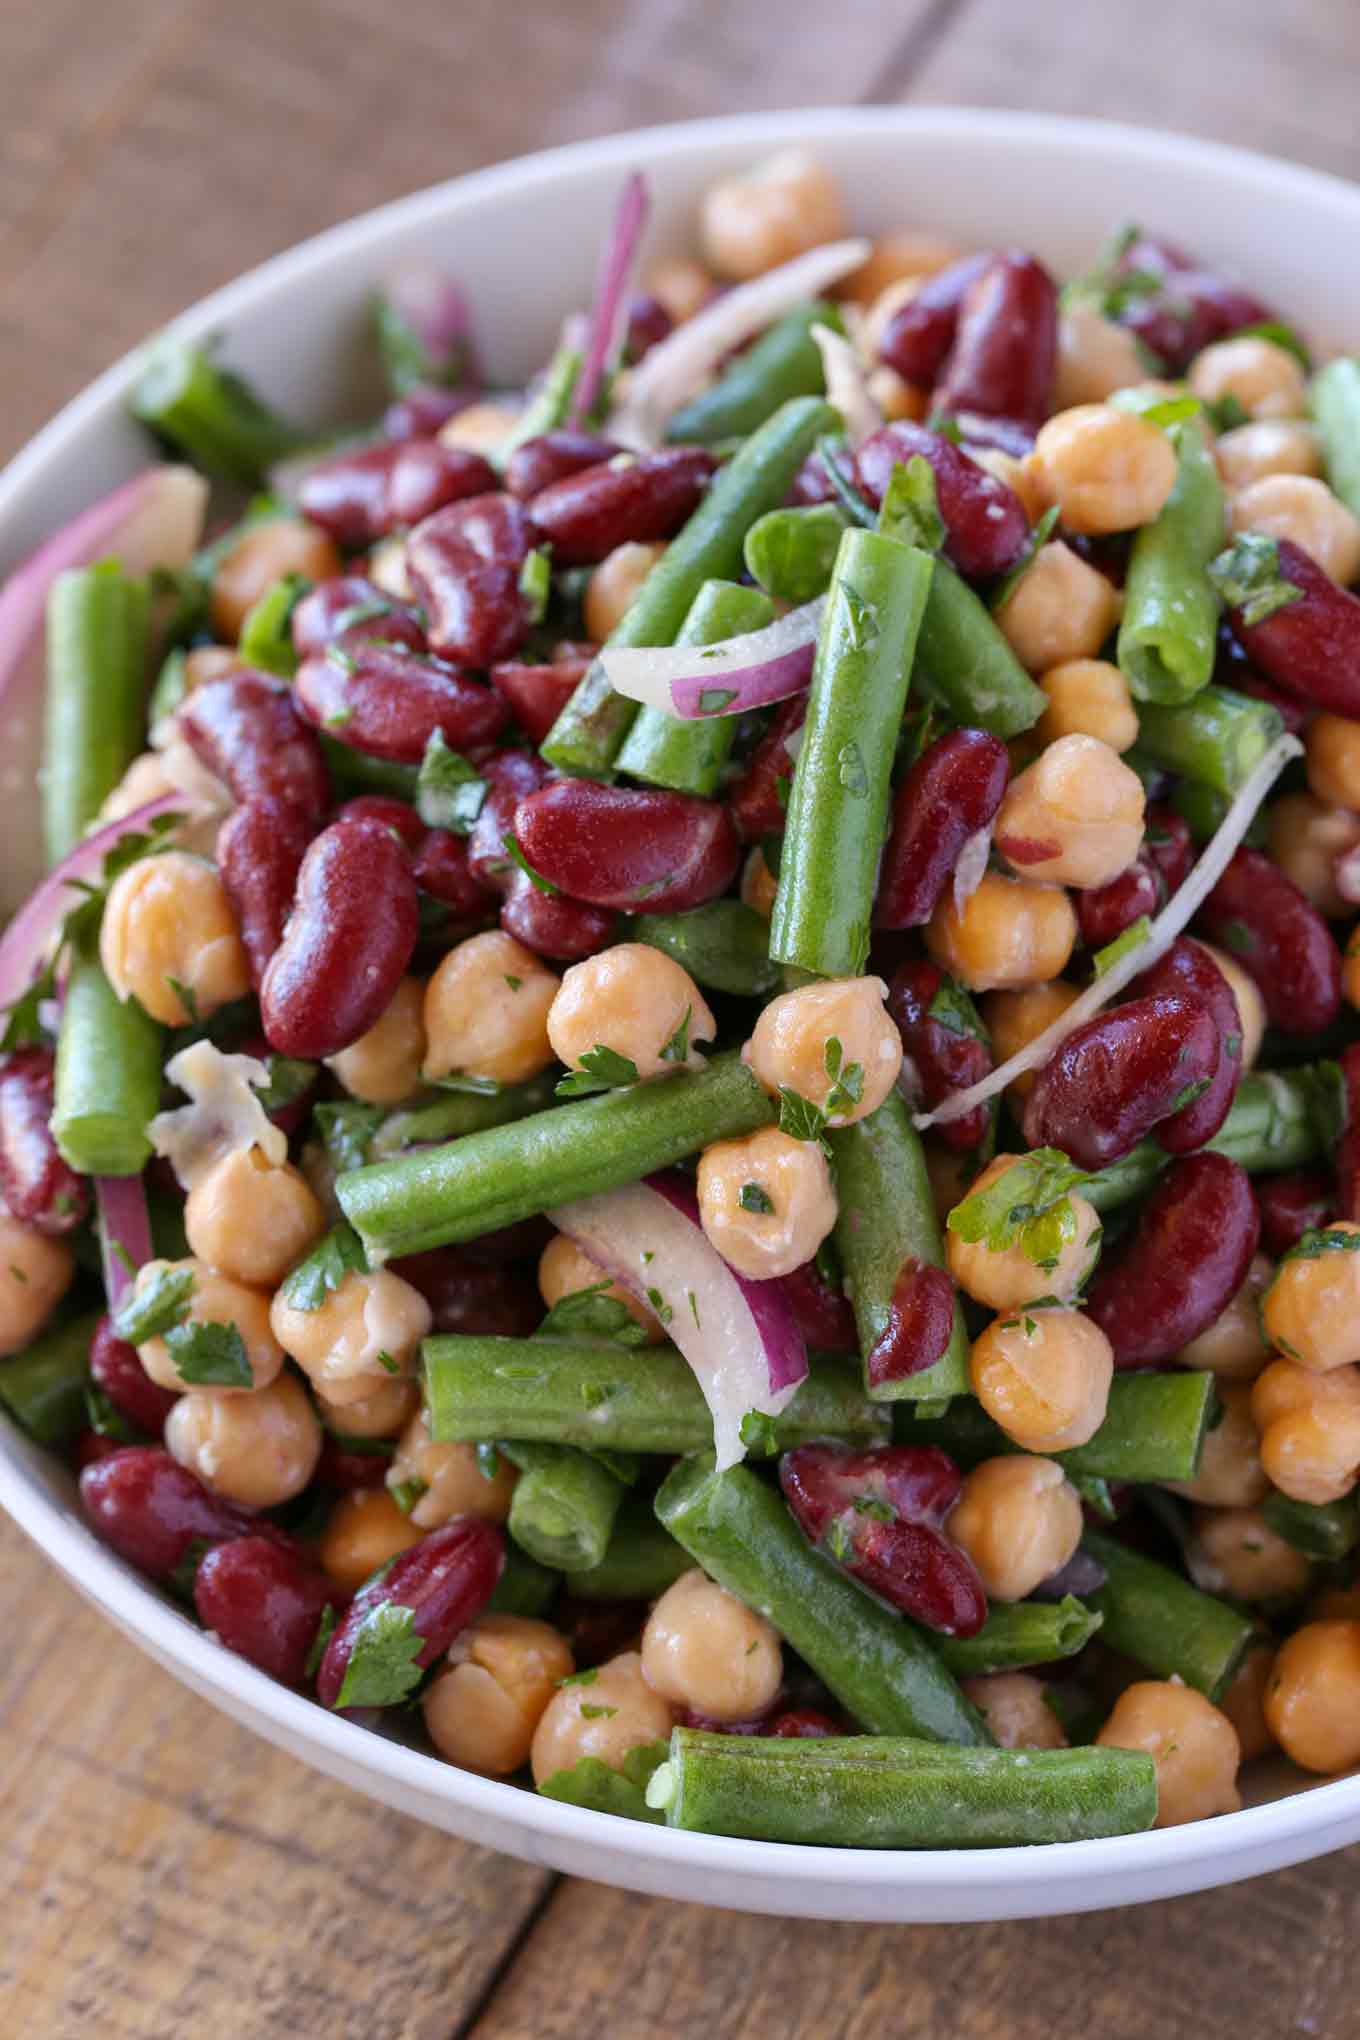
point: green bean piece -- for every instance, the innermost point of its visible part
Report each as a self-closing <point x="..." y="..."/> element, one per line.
<point x="725" y="946"/>
<point x="966" y="665"/>
<point x="525" y="1587"/>
<point x="97" y="626"/>
<point x="108" y="1080"/>
<point x="1334" y="397"/>
<point x="893" y="1792"/>
<point x="1153" y="1429"/>
<point x="354" y="771"/>
<point x="1163" y="1623"/>
<point x="1328" y="1530"/>
<point x="1020" y="1633"/>
<point x="842" y="780"/>
<point x="688" y="755"/>
<point x="547" y="407"/>
<point x="1279" y="1119"/>
<point x="1169" y="633"/>
<point x="564" y="1505"/>
<point x="592" y="1393"/>
<point x="792" y="552"/>
<point x="641" y="1562"/>
<point x="210" y="413"/>
<point x="887" y="1216"/>
<point x="590" y="730"/>
<point x="1205" y="809"/>
<point x="486" y="1180"/>
<point x="879" y="1666"/>
<point x="1219" y="738"/>
<point x="785" y="362"/>
<point x="451" y="1114"/>
<point x="43" y="1388"/>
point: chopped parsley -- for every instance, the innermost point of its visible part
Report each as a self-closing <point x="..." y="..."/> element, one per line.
<point x="592" y="1313"/>
<point x="659" y="1304"/>
<point x="1034" y="545"/>
<point x="847" y="1079"/>
<point x="604" y="1789"/>
<point x="753" y="1198"/>
<point x="383" y="1663"/>
<point x="758" y="1434"/>
<point x="1247" y="575"/>
<point x="209" y="1355"/>
<point x="677" y="1048"/>
<point x="910" y="510"/>
<point x="449" y="790"/>
<point x="346" y="1129"/>
<point x="510" y="844"/>
<point x="799" y="1117"/>
<point x="1027" y="1206"/>
<point x="154" y="1306"/>
<point x="339" y="1254"/>
<point x="1314" y="1245"/>
<point x="601" y="1069"/>
<point x="716" y="700"/>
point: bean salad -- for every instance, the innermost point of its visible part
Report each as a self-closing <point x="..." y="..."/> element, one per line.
<point x="684" y="1091"/>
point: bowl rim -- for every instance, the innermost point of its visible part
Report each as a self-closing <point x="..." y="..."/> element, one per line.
<point x="1191" y="1857"/>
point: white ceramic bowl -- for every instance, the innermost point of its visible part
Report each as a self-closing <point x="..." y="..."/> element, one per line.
<point x="524" y="236"/>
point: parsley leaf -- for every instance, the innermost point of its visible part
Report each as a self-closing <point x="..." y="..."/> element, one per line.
<point x="799" y="1117"/>
<point x="155" y="1306"/>
<point x="209" y="1355"/>
<point x="325" y="1630"/>
<point x="1028" y="1205"/>
<point x="602" y="1069"/>
<point x="406" y="1493"/>
<point x="910" y="510"/>
<point x="592" y="1313"/>
<point x="1172" y="410"/>
<point x="346" y="1129"/>
<point x="449" y="791"/>
<point x="847" y="1079"/>
<point x="870" y="1505"/>
<point x="382" y="1666"/>
<point x="598" y="1786"/>
<point x="1247" y="575"/>
<point x="1314" y="1245"/>
<point x="591" y="1712"/>
<point x="753" y="1198"/>
<point x="339" y="1254"/>
<point x="23" y="1027"/>
<point x="1226" y="413"/>
<point x="954" y="1009"/>
<point x="758" y="1434"/>
<point x="510" y="844"/>
<point x="677" y="1048"/>
<point x="289" y="1080"/>
<point x="660" y="1306"/>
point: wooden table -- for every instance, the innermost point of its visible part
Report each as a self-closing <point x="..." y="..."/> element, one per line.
<point x="165" y="1874"/>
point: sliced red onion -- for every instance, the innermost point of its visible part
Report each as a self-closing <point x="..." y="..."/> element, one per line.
<point x="124" y="1232"/>
<point x="155" y="520"/>
<point x="971" y="868"/>
<point x="740" y="1337"/>
<point x="750" y="671"/>
<point x="609" y="313"/>
<point x="846" y="387"/>
<point x="437" y="311"/>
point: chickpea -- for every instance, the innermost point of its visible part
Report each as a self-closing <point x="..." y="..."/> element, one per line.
<point x="895" y="397"/>
<point x="1073" y="817"/>
<point x="168" y="928"/>
<point x="1251" y="1007"/>
<point x="1350" y="969"/>
<point x="625" y="1712"/>
<point x="250" y="1220"/>
<point x="263" y="554"/>
<point x="613" y="585"/>
<point x="364" y="1531"/>
<point x="1272" y="446"/>
<point x="758" y="884"/>
<point x="482" y="1708"/>
<point x="704" y="1649"/>
<point x="1310" y="1430"/>
<point x="383" y="1066"/>
<point x="364" y="1332"/>
<point x="1107" y="470"/>
<point x="1044" y="1376"/>
<point x="1005" y="1278"/>
<point x="1230" y="1475"/>
<point x="564" y="1269"/>
<point x="1011" y="932"/>
<point x="1312" y="1702"/>
<point x="1232" y="1346"/>
<point x="1016" y="1711"/>
<point x="895" y="257"/>
<point x="1018" y="475"/>
<point x="35" y="1273"/>
<point x="382" y="1414"/>
<point x="682" y="287"/>
<point x="636" y="1000"/>
<point x="1062" y="609"/>
<point x="1096" y="357"/>
<point x="1235" y="1551"/>
<point x="1244" y="1702"/>
<point x="388" y="567"/>
<point x="214" y="1300"/>
<point x="766" y="1201"/>
<point x="766" y="215"/>
<point x="1333" y="746"/>
<point x="1192" y="1743"/>
<point x="258" y="1449"/>
<point x="480" y="428"/>
<point x="1285" y="1386"/>
<point x="454" y="1481"/>
<point x="1311" y="1311"/>
<point x="1304" y="510"/>
<point x="1088" y="698"/>
<point x="486" y="1011"/>
<point x="791" y="1046"/>
<point x="1019" y="1520"/>
<point x="1014" y="1019"/>
<point x="1265" y="379"/>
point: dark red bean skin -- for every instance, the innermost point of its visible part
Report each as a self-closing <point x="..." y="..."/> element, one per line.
<point x="907" y="1559"/>
<point x="754" y="801"/>
<point x="627" y="848"/>
<point x="920" y="1320"/>
<point x="423" y="410"/>
<point x="264" y="1601"/>
<point x="953" y="790"/>
<point x="89" y="1446"/>
<point x="598" y="1630"/>
<point x="1188" y="969"/>
<point x="319" y="619"/>
<point x="39" y="1188"/>
<point x="1014" y="436"/>
<point x="446" y="1580"/>
<point x="823" y="1314"/>
<point x="473" y="1296"/>
<point x="552" y="925"/>
<point x="1105" y="911"/>
<point x="1005" y="350"/>
<point x="805" y="1723"/>
<point x="1169" y="846"/>
<point x="1262" y="920"/>
<point x="523" y="1241"/>
<point x="464" y="564"/>
<point x="1182" y="1267"/>
<point x="1232" y="668"/>
<point x="1290" y="1204"/>
<point x="442" y="869"/>
<point x="1348" y="1147"/>
<point x="347" y="943"/>
<point x="1311" y="647"/>
<point x="538" y="694"/>
<point x="396" y="815"/>
<point x="1116" y="1076"/>
<point x="552" y="457"/>
<point x="917" y="339"/>
<point x="1194" y="309"/>
<point x="943" y="1058"/>
<point x="985" y="520"/>
<point x="511" y="775"/>
<point x="363" y="495"/>
<point x="649" y="323"/>
<point x="115" y="1368"/>
<point x="343" y="1470"/>
<point x="260" y="848"/>
<point x="388" y="703"/>
<point x="152" y="1510"/>
<point x="247" y="728"/>
<point x="586" y="515"/>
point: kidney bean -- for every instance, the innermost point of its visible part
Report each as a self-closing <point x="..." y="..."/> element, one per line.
<point x="334" y="614"/>
<point x="361" y="495"/>
<point x="153" y="1511"/>
<point x="750" y="1724"/>
<point x="552" y="925"/>
<point x="1189" y="971"/>
<point x="464" y="564"/>
<point x="446" y="1580"/>
<point x="943" y="1054"/>
<point x="985" y="520"/>
<point x="552" y="456"/>
<point x="1183" y="1265"/>
<point x="248" y="729"/>
<point x="260" y="847"/>
<point x="811" y="484"/>
<point x="1311" y="646"/>
<point x="917" y="338"/>
<point x="1290" y="1204"/>
<point x="1348" y="1147"/>
<point x="822" y="1313"/>
<point x="906" y="1558"/>
<point x="598" y="1630"/>
<point x="388" y="702"/>
<point x="538" y="694"/>
<point x="755" y="801"/>
<point x="1169" y="847"/>
<point x="1003" y="435"/>
<point x="442" y="869"/>
<point x="510" y="776"/>
<point x="523" y="1241"/>
<point x="423" y="410"/>
<point x="347" y="943"/>
<point x="649" y="323"/>
<point x="920" y="1321"/>
<point x="626" y="847"/>
<point x="473" y="1296"/>
<point x="89" y="1446"/>
<point x="343" y="1469"/>
<point x="1193" y="309"/>
<point x="1005" y="350"/>
<point x="1115" y="1077"/>
<point x="1105" y="911"/>
<point x="397" y="815"/>
<point x="1260" y="917"/>
<point x="953" y="790"/>
<point x="37" y="1186"/>
<point x="115" y="1368"/>
<point x="586" y="515"/>
<point x="1232" y="668"/>
<point x="264" y="1601"/>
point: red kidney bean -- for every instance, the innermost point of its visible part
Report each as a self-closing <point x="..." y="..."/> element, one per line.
<point x="89" y="1446"/>
<point x="388" y="702"/>
<point x="1003" y="435"/>
<point x="442" y="869"/>
<point x="1348" y="1147"/>
<point x="626" y="847"/>
<point x="248" y="729"/>
<point x="361" y="495"/>
<point x="464" y="564"/>
<point x="807" y="1723"/>
<point x="263" y="1600"/>
<point x="115" y="1368"/>
<point x="1290" y="1204"/>
<point x="1310" y="646"/>
<point x="552" y="925"/>
<point x="1105" y="911"/>
<point x="598" y="1630"/>
<point x="347" y="943"/>
<point x="39" y="1188"/>
<point x="1005" y="350"/>
<point x="1169" y="847"/>
<point x="523" y="1241"/>
<point x="953" y="790"/>
<point x="1232" y="668"/>
<point x="1115" y="1077"/>
<point x="1262" y="919"/>
<point x="260" y="848"/>
<point x="822" y="1313"/>
<point x="649" y="323"/>
<point x="917" y="338"/>
<point x="920" y="1320"/>
<point x="811" y="484"/>
<point x="906" y="1558"/>
<point x="985" y="521"/>
<point x="1189" y="971"/>
<point x="755" y="800"/>
<point x="1183" y="1265"/>
<point x="343" y="1469"/>
<point x="552" y="456"/>
<point x="351" y="610"/>
<point x="538" y="694"/>
<point x="473" y="1296"/>
<point x="446" y="1580"/>
<point x="510" y="776"/>
<point x="587" y="515"/>
<point x="1193" y="309"/>
<point x="396" y="815"/>
<point x="423" y="410"/>
<point x="750" y="1724"/>
<point x="944" y="1056"/>
<point x="153" y="1511"/>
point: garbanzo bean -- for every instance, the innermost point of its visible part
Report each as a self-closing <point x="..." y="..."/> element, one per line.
<point x="1010" y="933"/>
<point x="792" y="1045"/>
<point x="363" y="1333"/>
<point x="758" y="884"/>
<point x="215" y="1300"/>
<point x="480" y="428"/>
<point x="35" y="1273"/>
<point x="252" y="1220"/>
<point x="1044" y="1376"/>
<point x="1106" y="470"/>
<point x="382" y="1414"/>
<point x="1304" y="510"/>
<point x="1016" y="1712"/>
<point x="168" y="929"/>
<point x="564" y="1269"/>
<point x="1096" y="357"/>
<point x="1233" y="1345"/>
<point x="1230" y="1474"/>
<point x="1271" y="446"/>
<point x="766" y="215"/>
<point x="456" y="1481"/>
<point x="1019" y="1520"/>
<point x="486" y="1011"/>
<point x="1073" y="817"/>
<point x="613" y="585"/>
<point x="895" y="397"/>
<point x="1088" y="698"/>
<point x="1251" y="1007"/>
<point x="1312" y="1699"/>
<point x="383" y="1066"/>
<point x="1244" y="1702"/>
<point x="635" y="1000"/>
<point x="482" y="1707"/>
<point x="766" y="1201"/>
<point x="1311" y="1311"/>
<point x="1305" y="837"/>
<point x="1310" y="1429"/>
<point x="365" y="1529"/>
<point x="896" y="256"/>
<point x="624" y="1713"/>
<point x="704" y="1649"/>
<point x="1192" y="1743"/>
<point x="1266" y="380"/>
<point x="1333" y="746"/>
<point x="261" y="556"/>
<point x="1062" y="609"/>
<point x="681" y="286"/>
<point x="259" y="1450"/>
<point x="1014" y="1019"/>
<point x="1004" y="1278"/>
<point x="1235" y="1551"/>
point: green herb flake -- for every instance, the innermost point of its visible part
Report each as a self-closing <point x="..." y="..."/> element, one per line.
<point x="660" y="1306"/>
<point x="586" y="1678"/>
<point x="847" y="1079"/>
<point x="1133" y="937"/>
<point x="1028" y="1205"/>
<point x="382" y="1668"/>
<point x="155" y="1306"/>
<point x="388" y="1364"/>
<point x="1172" y="411"/>
<point x="752" y="1197"/>
<point x="449" y="790"/>
<point x="592" y="1313"/>
<point x="604" y="1789"/>
<point x="1034" y="545"/>
<point x="339" y="1254"/>
<point x="346" y="1130"/>
<point x="209" y="1355"/>
<point x="591" y="1712"/>
<point x="870" y="1505"/>
<point x="677" y="1048"/>
<point x="325" y="1630"/>
<point x="601" y="1069"/>
<point x="694" y="1308"/>
<point x="1227" y="413"/>
<point x="1247" y="575"/>
<point x="266" y="640"/>
<point x="510" y="844"/>
<point x="758" y="1434"/>
<point x="406" y="1493"/>
<point x="1313" y="1246"/>
<point x="954" y="1009"/>
<point x="799" y="1117"/>
<point x="513" y="982"/>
